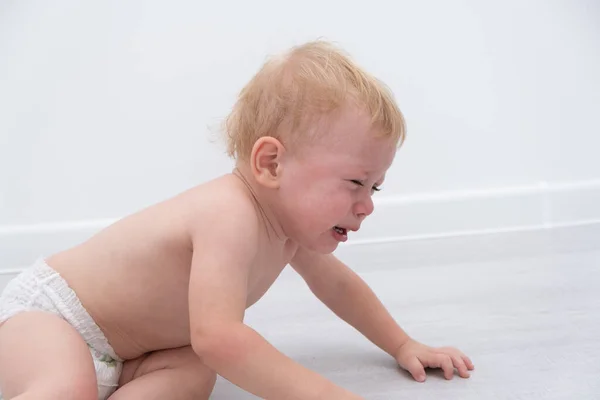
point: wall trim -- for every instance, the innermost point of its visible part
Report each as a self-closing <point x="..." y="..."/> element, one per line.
<point x="480" y="232"/>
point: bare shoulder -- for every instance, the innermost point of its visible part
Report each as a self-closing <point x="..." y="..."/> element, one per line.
<point x="221" y="213"/>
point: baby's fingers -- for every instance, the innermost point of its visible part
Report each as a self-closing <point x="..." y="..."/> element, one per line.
<point x="455" y="353"/>
<point x="468" y="363"/>
<point x="416" y="369"/>
<point x="442" y="361"/>
<point x="460" y="366"/>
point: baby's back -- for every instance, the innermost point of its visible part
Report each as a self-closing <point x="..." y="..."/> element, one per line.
<point x="132" y="277"/>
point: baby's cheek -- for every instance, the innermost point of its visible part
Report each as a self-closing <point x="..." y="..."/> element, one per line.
<point x="345" y="202"/>
<point x="337" y="207"/>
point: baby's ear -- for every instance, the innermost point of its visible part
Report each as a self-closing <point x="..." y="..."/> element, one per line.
<point x="265" y="161"/>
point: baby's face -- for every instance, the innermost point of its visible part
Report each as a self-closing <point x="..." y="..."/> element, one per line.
<point x="326" y="191"/>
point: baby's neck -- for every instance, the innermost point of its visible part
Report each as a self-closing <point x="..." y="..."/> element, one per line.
<point x="263" y="203"/>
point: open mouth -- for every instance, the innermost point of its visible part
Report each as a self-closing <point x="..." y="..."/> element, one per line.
<point x="341" y="231"/>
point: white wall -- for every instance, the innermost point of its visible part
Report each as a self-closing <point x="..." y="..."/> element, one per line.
<point x="105" y="107"/>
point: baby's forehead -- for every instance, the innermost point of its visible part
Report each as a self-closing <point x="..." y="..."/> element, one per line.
<point x="349" y="138"/>
<point x="354" y="160"/>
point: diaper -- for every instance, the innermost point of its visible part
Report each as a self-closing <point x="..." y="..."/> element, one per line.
<point x="40" y="288"/>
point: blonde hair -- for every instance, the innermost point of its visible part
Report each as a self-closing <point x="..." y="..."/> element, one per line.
<point x="310" y="80"/>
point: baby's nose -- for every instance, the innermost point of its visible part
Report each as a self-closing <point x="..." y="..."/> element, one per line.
<point x="364" y="208"/>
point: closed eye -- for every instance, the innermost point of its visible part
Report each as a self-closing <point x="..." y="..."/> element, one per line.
<point x="375" y="188"/>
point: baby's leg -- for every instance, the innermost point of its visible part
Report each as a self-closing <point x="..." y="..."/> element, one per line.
<point x="42" y="357"/>
<point x="166" y="374"/>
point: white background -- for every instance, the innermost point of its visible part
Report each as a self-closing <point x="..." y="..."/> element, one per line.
<point x="106" y="107"/>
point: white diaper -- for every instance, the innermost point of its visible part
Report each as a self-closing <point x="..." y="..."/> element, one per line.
<point x="40" y="288"/>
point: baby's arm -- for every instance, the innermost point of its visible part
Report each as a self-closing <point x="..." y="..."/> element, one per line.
<point x="350" y="298"/>
<point x="217" y="301"/>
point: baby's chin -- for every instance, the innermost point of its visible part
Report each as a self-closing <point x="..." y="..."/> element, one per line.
<point x="323" y="244"/>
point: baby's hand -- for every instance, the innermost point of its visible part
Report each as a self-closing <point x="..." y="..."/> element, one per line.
<point x="415" y="357"/>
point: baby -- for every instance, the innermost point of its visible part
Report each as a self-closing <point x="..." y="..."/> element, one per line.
<point x="152" y="307"/>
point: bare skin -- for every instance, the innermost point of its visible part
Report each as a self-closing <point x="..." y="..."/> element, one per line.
<point x="142" y="283"/>
<point x="169" y="285"/>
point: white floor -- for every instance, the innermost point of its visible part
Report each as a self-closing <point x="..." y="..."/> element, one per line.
<point x="531" y="324"/>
